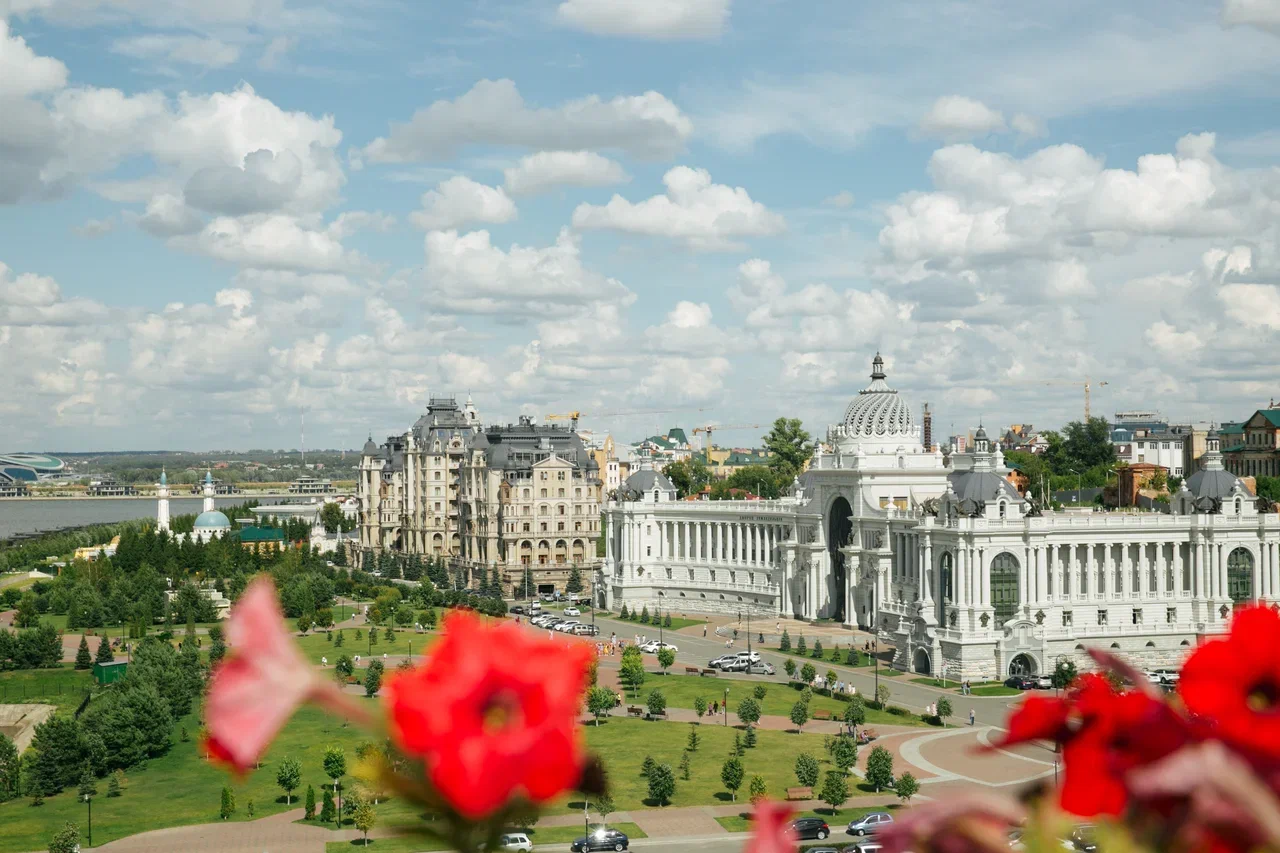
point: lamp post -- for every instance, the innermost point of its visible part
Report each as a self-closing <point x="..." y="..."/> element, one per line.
<point x="89" y="802"/>
<point x="748" y="639"/>
<point x="726" y="706"/>
<point x="875" y="656"/>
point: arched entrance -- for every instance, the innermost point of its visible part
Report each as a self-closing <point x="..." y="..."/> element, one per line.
<point x="1240" y="575"/>
<point x="1004" y="587"/>
<point x="838" y="528"/>
<point x="1022" y="665"/>
<point x="920" y="662"/>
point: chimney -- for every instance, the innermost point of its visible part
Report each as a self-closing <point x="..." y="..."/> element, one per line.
<point x="928" y="428"/>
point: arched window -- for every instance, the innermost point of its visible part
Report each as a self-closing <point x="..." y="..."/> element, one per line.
<point x="1240" y="575"/>
<point x="1004" y="586"/>
<point x="1003" y="509"/>
<point x="946" y="577"/>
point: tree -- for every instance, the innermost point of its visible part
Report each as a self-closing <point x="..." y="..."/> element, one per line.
<point x="731" y="774"/>
<point x="799" y="715"/>
<point x="345" y="667"/>
<point x="599" y="701"/>
<point x="806" y="770"/>
<point x="831" y="679"/>
<point x="631" y="671"/>
<point x="882" y="695"/>
<point x="657" y="703"/>
<point x="790" y="668"/>
<point x="690" y="476"/>
<point x="373" y="678"/>
<point x="623" y="614"/>
<point x="1064" y="672"/>
<point x="801" y="648"/>
<point x="309" y="805"/>
<point x="784" y="645"/>
<point x="365" y="819"/>
<point x="789" y="446"/>
<point x="335" y="764"/>
<point x="666" y="621"/>
<point x="113" y="784"/>
<point x="879" y="768"/>
<point x="750" y="740"/>
<point x="228" y="807"/>
<point x="84" y="660"/>
<point x="67" y="839"/>
<point x="737" y="745"/>
<point x="646" y="766"/>
<point x="666" y="658"/>
<point x="327" y="810"/>
<point x="644" y="614"/>
<point x="699" y="706"/>
<point x="835" y="789"/>
<point x="760" y="691"/>
<point x="855" y="713"/>
<point x="749" y="712"/>
<point x="104" y="654"/>
<point x="605" y="807"/>
<point x="757" y="789"/>
<point x="304" y="623"/>
<point x="844" y="754"/>
<point x="88" y="788"/>
<point x="808" y="673"/>
<point x="694" y="740"/>
<point x="944" y="710"/>
<point x="662" y="784"/>
<point x="684" y="765"/>
<point x="289" y="777"/>
<point x="331" y="516"/>
<point x="217" y="646"/>
<point x="817" y="649"/>
<point x="389" y="635"/>
<point x="574" y="583"/>
<point x="907" y="787"/>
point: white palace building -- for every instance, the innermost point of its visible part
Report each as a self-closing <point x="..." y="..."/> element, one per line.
<point x="941" y="557"/>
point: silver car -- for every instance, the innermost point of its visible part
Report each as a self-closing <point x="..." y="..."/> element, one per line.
<point x="761" y="668"/>
<point x="869" y="823"/>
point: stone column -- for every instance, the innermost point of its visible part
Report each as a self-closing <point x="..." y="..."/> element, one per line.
<point x="1144" y="573"/>
<point x="1256" y="580"/>
<point x="960" y="578"/>
<point x="1275" y="569"/>
<point x="928" y="572"/>
<point x="1222" y="570"/>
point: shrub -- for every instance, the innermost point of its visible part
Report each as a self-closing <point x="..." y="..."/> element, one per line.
<point x="817" y="649"/>
<point x="646" y="766"/>
<point x="800" y="646"/>
<point x="700" y="706"/>
<point x="684" y="766"/>
<point x="694" y="740"/>
<point x="662" y="784"/>
<point x="309" y="811"/>
<point x="760" y="692"/>
<point x="898" y="711"/>
<point x="757" y="789"/>
<point x="806" y="770"/>
<point x="784" y="645"/>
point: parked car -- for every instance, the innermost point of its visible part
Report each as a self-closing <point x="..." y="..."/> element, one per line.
<point x="735" y="665"/>
<point x="516" y="608"/>
<point x="652" y="647"/>
<point x="1084" y="839"/>
<point x="572" y="611"/>
<point x="567" y="625"/>
<point x="1044" y="682"/>
<point x="761" y="668"/>
<point x="516" y="841"/>
<point x="810" y="827"/>
<point x="865" y="847"/>
<point x="1168" y="676"/>
<point x="586" y="630"/>
<point x="601" y="839"/>
<point x="752" y="657"/>
<point x="869" y="823"/>
<point x="716" y="663"/>
<point x="1020" y="682"/>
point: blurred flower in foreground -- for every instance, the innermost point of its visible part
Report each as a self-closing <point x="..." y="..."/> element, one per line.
<point x="493" y="713"/>
<point x="964" y="823"/>
<point x="771" y="828"/>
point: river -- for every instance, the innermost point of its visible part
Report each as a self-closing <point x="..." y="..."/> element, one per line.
<point x="31" y="516"/>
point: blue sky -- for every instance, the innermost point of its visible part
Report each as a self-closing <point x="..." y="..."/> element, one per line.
<point x="216" y="216"/>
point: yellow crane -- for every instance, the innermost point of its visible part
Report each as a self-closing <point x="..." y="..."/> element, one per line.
<point x="1088" y="384"/>
<point x="711" y="428"/>
<point x="573" y="417"/>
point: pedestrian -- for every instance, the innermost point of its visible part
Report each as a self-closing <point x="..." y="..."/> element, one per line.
<point x="777" y="628"/>
<point x="704" y="630"/>
<point x="324" y="661"/>
<point x="971" y="716"/>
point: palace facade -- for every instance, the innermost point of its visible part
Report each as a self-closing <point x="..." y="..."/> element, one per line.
<point x="940" y="556"/>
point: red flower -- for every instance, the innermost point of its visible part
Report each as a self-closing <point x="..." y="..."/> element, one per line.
<point x="771" y="828"/>
<point x="261" y="682"/>
<point x="1103" y="735"/>
<point x="493" y="712"/>
<point x="964" y="823"/>
<point x="1234" y="683"/>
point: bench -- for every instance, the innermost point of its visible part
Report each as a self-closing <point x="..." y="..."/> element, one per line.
<point x="653" y="716"/>
<point x="633" y="711"/>
<point x="691" y="670"/>
<point x="710" y="672"/>
<point x="800" y="793"/>
<point x="822" y="714"/>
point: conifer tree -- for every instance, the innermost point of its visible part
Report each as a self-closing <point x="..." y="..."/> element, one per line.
<point x="84" y="660"/>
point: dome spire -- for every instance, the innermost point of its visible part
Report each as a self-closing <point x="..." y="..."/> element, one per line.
<point x="877" y="367"/>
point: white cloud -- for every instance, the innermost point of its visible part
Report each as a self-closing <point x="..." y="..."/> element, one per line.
<point x="266" y="181"/>
<point x="494" y="113"/>
<point x="277" y="49"/>
<point x="467" y="274"/>
<point x="703" y="215"/>
<point x="1252" y="305"/>
<point x="351" y="221"/>
<point x="1263" y="14"/>
<point x="168" y="216"/>
<point x="271" y="241"/>
<point x="657" y="19"/>
<point x="461" y="201"/>
<point x="842" y="199"/>
<point x="171" y="47"/>
<point x="1069" y="280"/>
<point x="958" y="117"/>
<point x="1168" y="341"/>
<point x="1028" y="127"/>
<point x="23" y="73"/>
<point x="537" y="173"/>
<point x="96" y="227"/>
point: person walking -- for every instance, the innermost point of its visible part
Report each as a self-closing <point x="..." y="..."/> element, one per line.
<point x="971" y="716"/>
<point x="704" y="630"/>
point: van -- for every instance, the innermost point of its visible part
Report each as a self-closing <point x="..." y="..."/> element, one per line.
<point x="535" y="608"/>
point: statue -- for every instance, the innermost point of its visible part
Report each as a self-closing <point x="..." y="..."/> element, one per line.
<point x="1039" y="617"/>
<point x="930" y="507"/>
<point x="985" y="619"/>
<point x="953" y="618"/>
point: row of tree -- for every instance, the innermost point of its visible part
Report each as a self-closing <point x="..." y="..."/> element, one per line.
<point x="788" y="447"/>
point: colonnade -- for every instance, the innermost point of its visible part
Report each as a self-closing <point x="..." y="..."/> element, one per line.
<point x="743" y="543"/>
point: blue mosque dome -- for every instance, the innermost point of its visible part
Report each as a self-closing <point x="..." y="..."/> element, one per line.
<point x="212" y="520"/>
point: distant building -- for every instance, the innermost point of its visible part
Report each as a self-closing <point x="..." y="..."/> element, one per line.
<point x="210" y="523"/>
<point x="109" y="487"/>
<point x="307" y="485"/>
<point x="29" y="467"/>
<point x="735" y="460"/>
<point x="91" y="552"/>
<point x="220" y="489"/>
<point x="262" y="539"/>
<point x="1252" y="448"/>
<point x="672" y="447"/>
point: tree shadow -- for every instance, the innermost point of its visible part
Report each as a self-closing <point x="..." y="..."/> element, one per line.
<point x="724" y="796"/>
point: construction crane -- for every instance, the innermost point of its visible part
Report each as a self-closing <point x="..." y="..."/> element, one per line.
<point x="711" y="428"/>
<point x="1088" y="384"/>
<point x="573" y="417"/>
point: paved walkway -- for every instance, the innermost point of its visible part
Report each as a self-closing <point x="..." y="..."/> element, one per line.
<point x="275" y="834"/>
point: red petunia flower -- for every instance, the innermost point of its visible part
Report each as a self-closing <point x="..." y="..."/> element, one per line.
<point x="1233" y="683"/>
<point x="970" y="822"/>
<point x="771" y="828"/>
<point x="493" y="712"/>
<point x="1103" y="735"/>
<point x="261" y="682"/>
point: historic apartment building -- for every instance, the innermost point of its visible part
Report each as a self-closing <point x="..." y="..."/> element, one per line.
<point x="942" y="558"/>
<point x="498" y="497"/>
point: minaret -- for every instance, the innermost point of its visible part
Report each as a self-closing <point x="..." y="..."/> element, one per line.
<point x="208" y="491"/>
<point x="928" y="428"/>
<point x="162" y="507"/>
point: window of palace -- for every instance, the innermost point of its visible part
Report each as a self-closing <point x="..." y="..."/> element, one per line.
<point x="1102" y="617"/>
<point x="437" y="475"/>
<point x="577" y="525"/>
<point x="544" y="492"/>
<point x="1066" y="617"/>
<point x="542" y="475"/>
<point x="560" y="525"/>
<point x="1137" y="615"/>
<point x="526" y="527"/>
<point x="1004" y="586"/>
<point x="1240" y="575"/>
<point x="559" y="475"/>
<point x="577" y="493"/>
<point x="542" y="527"/>
<point x="1171" y="615"/>
<point x="560" y="493"/>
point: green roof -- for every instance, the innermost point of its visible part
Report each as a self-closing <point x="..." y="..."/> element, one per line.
<point x="261" y="534"/>
<point x="1235" y="448"/>
<point x="677" y="434"/>
<point x="1272" y="416"/>
<point x="1231" y="429"/>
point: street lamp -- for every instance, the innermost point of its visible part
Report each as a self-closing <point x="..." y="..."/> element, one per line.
<point x="726" y="706"/>
<point x="875" y="656"/>
<point x="89" y="802"/>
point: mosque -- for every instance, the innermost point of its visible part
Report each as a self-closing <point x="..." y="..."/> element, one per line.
<point x="939" y="556"/>
<point x="209" y="523"/>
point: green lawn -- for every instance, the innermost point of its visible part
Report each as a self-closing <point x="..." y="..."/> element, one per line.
<point x="829" y="655"/>
<point x="838" y="821"/>
<point x="316" y="646"/>
<point x="677" y="623"/>
<point x="406" y="844"/>
<point x="62" y="686"/>
<point x="681" y="690"/>
<point x="991" y="688"/>
<point x="58" y="621"/>
<point x="995" y="690"/>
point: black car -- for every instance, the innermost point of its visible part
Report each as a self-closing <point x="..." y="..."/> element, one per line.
<point x="810" y="827"/>
<point x="1084" y="838"/>
<point x="601" y="839"/>
<point x="1021" y="682"/>
<point x="517" y="609"/>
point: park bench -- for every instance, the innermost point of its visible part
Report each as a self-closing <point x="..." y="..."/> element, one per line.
<point x="800" y="793"/>
<point x="713" y="673"/>
<point x="691" y="670"/>
<point x="822" y="714"/>
<point x="633" y="711"/>
<point x="653" y="716"/>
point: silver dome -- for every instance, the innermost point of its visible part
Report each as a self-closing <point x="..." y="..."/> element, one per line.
<point x="878" y="411"/>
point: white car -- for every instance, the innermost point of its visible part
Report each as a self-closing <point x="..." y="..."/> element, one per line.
<point x="572" y="611"/>
<point x="567" y="627"/>
<point x="652" y="647"/>
<point x="516" y="841"/>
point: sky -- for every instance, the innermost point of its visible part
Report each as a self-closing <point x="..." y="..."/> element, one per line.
<point x="216" y="217"/>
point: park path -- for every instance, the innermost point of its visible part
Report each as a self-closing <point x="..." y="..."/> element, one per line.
<point x="275" y="834"/>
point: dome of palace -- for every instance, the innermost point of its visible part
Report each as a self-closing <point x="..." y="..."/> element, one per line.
<point x="878" y="411"/>
<point x="212" y="520"/>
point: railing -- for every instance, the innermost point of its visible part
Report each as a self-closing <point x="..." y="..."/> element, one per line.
<point x="698" y="585"/>
<point x="772" y="507"/>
